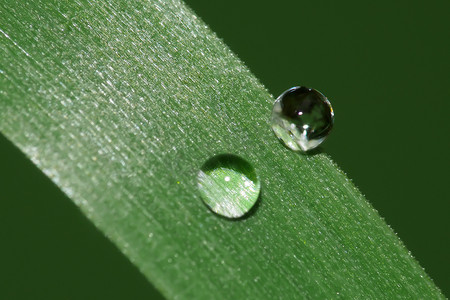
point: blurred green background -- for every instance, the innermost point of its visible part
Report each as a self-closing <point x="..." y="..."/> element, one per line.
<point x="385" y="67"/>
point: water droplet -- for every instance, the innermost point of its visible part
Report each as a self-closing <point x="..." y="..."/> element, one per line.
<point x="229" y="185"/>
<point x="302" y="118"/>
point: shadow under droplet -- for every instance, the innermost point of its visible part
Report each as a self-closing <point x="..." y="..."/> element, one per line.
<point x="313" y="152"/>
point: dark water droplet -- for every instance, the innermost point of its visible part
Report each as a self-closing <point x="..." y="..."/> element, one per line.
<point x="302" y="118"/>
<point x="228" y="185"/>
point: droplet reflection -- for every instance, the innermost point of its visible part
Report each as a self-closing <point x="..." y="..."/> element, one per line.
<point x="302" y="118"/>
<point x="228" y="185"/>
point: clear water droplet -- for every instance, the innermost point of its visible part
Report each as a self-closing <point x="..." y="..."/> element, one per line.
<point x="228" y="185"/>
<point x="302" y="118"/>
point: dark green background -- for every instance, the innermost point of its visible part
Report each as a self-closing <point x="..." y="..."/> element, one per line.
<point x="384" y="66"/>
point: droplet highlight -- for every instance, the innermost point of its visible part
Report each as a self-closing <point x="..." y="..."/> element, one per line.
<point x="302" y="118"/>
<point x="228" y="185"/>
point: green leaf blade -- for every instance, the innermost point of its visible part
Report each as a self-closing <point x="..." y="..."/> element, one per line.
<point x="121" y="103"/>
